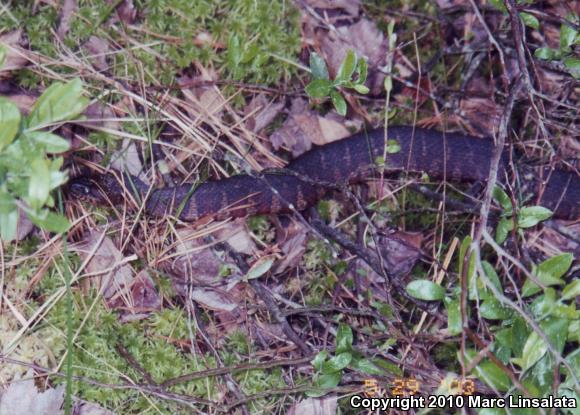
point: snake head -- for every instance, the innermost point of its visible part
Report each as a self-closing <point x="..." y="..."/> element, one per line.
<point x="99" y="189"/>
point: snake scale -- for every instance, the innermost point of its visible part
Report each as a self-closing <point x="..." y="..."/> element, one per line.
<point x="443" y="156"/>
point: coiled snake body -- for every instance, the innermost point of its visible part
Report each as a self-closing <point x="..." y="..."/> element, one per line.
<point x="451" y="156"/>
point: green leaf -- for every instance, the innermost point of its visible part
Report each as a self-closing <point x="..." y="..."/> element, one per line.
<point x="498" y="4"/>
<point x="328" y="380"/>
<point x="567" y="36"/>
<point x="319" y="360"/>
<point x="59" y="102"/>
<point x="318" y="66"/>
<point x="454" y="324"/>
<point x="556" y="330"/>
<point x="425" y="290"/>
<point x="2" y="55"/>
<point x="337" y="363"/>
<point x="347" y="67"/>
<point x="234" y="54"/>
<point x="39" y="185"/>
<point x="489" y="373"/>
<point x="8" y="225"/>
<point x="344" y="338"/>
<point x="530" y="20"/>
<point x="361" y="89"/>
<point x="338" y="102"/>
<point x="388" y="84"/>
<point x="502" y="198"/>
<point x="573" y="64"/>
<point x="8" y="216"/>
<point x="52" y="143"/>
<point x="362" y="69"/>
<point x="366" y="366"/>
<point x="546" y="53"/>
<point x="260" y="267"/>
<point x="393" y="146"/>
<point x="571" y="290"/>
<point x="549" y="273"/>
<point x="9" y="122"/>
<point x="492" y="275"/>
<point x="531" y="215"/>
<point x="503" y="228"/>
<point x="319" y="88"/>
<point x="49" y="221"/>
<point x="492" y="309"/>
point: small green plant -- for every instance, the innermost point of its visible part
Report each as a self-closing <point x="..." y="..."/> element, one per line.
<point x="29" y="171"/>
<point x="322" y="86"/>
<point x="329" y="369"/>
<point x="527" y="216"/>
<point x="515" y="342"/>
<point x="568" y="38"/>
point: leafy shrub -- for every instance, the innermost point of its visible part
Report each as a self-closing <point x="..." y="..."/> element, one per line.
<point x="29" y="171"/>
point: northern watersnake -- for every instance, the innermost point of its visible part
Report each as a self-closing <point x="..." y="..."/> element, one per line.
<point x="443" y="156"/>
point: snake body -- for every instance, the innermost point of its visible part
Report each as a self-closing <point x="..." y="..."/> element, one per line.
<point x="442" y="156"/>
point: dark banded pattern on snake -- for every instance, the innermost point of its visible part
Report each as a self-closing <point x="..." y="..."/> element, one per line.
<point x="451" y="156"/>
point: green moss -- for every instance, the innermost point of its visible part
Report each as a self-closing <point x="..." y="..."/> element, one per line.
<point x="247" y="40"/>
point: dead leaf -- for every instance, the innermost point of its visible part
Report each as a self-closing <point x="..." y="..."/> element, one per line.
<point x="89" y="408"/>
<point x="350" y="7"/>
<point x="203" y="96"/>
<point x="67" y="12"/>
<point x="292" y="243"/>
<point x="401" y="251"/>
<point x="127" y="12"/>
<point x="144" y="295"/>
<point x="263" y="112"/>
<point x="98" y="48"/>
<point x="15" y="57"/>
<point x="127" y="159"/>
<point x="214" y="299"/>
<point x="482" y="113"/>
<point x="194" y="262"/>
<point x="24" y="226"/>
<point x="303" y="128"/>
<point x="112" y="275"/>
<point x="237" y="236"/>
<point x="22" y="397"/>
<point x="315" y="406"/>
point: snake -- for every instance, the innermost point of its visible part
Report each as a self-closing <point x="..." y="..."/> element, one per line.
<point x="450" y="157"/>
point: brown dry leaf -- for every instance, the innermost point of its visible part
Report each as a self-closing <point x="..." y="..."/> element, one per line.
<point x="237" y="236"/>
<point x="350" y="7"/>
<point x="315" y="406"/>
<point x="482" y="113"/>
<point x="15" y="58"/>
<point x="195" y="262"/>
<point x="127" y="12"/>
<point x="263" y="112"/>
<point x="216" y="300"/>
<point x="22" y="397"/>
<point x="89" y="408"/>
<point x="127" y="159"/>
<point x="23" y="227"/>
<point x="401" y="251"/>
<point x="292" y="243"/>
<point x="365" y="39"/>
<point x="303" y="128"/>
<point x="67" y="12"/>
<point x="144" y="295"/>
<point x="551" y="242"/>
<point x="205" y="100"/>
<point x="113" y="276"/>
<point x="98" y="49"/>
